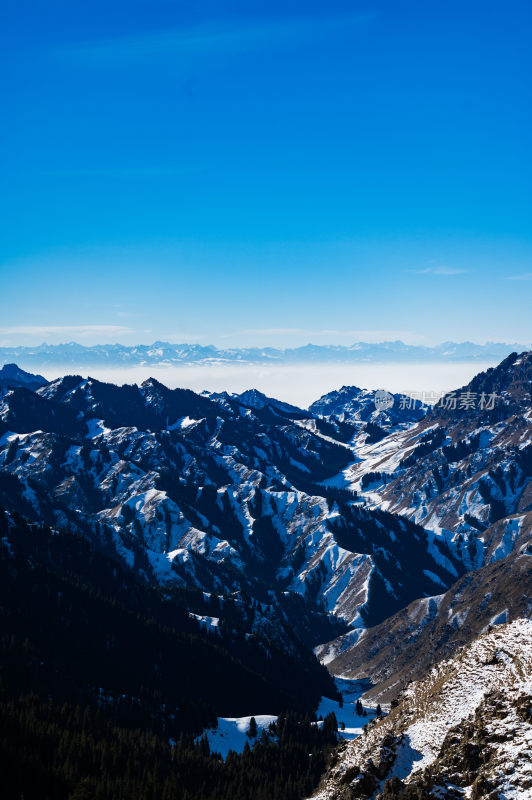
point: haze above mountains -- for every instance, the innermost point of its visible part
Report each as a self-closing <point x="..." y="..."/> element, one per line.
<point x="297" y="375"/>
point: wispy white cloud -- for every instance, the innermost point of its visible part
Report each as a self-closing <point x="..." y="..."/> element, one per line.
<point x="130" y="170"/>
<point x="183" y="338"/>
<point x="441" y="270"/>
<point x="525" y="276"/>
<point x="76" y="330"/>
<point x="267" y="332"/>
<point x="214" y="38"/>
<point x="355" y="335"/>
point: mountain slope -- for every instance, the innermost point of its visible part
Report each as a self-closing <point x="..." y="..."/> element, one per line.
<point x="12" y="377"/>
<point x="77" y="626"/>
<point x="463" y="731"/>
<point x="224" y="493"/>
<point x="105" y="682"/>
<point x="465" y="467"/>
<point x="477" y="464"/>
<point x="226" y="534"/>
<point x="407" y="644"/>
<point x="357" y="407"/>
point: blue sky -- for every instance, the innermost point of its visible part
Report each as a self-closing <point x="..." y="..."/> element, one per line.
<point x="271" y="173"/>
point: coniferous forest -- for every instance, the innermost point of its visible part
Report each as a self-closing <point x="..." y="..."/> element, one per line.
<point x="53" y="751"/>
<point x="107" y="683"/>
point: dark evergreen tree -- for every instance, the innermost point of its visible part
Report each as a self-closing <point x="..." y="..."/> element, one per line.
<point x="105" y="686"/>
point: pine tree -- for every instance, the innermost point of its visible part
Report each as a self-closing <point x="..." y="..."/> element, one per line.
<point x="11" y="451"/>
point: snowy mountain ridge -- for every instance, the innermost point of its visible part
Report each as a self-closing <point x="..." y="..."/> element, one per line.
<point x="222" y="493"/>
<point x="459" y="470"/>
<point x="244" y="493"/>
<point x="166" y="354"/>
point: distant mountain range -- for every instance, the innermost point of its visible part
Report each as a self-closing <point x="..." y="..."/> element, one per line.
<point x="167" y="354"/>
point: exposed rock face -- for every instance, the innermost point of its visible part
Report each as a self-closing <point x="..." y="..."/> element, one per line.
<point x="463" y="731"/>
<point x="357" y="406"/>
<point x="397" y="553"/>
<point x="222" y="493"/>
<point x="407" y="644"/>
<point x="478" y="462"/>
<point x="246" y="493"/>
<point x="461" y="469"/>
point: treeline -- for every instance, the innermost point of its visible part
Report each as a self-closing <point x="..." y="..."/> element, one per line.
<point x="76" y="624"/>
<point x="106" y="683"/>
<point x="64" y="752"/>
<point x="375" y="477"/>
<point x="429" y="442"/>
<point x="80" y="627"/>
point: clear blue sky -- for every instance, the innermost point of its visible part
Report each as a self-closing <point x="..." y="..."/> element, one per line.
<point x="265" y="172"/>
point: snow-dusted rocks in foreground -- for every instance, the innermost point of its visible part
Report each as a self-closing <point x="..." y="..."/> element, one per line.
<point x="463" y="731"/>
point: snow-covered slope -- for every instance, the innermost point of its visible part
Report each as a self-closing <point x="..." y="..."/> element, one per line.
<point x="405" y="645"/>
<point x="225" y="493"/>
<point x="463" y="731"/>
<point x="295" y="525"/>
<point x="231" y="733"/>
<point x="358" y="407"/>
<point x="229" y="492"/>
<point x="463" y="469"/>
